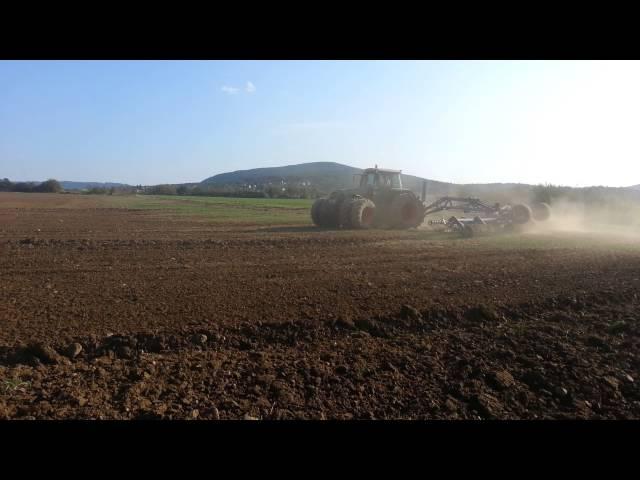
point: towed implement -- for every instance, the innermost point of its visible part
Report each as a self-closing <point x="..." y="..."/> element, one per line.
<point x="380" y="201"/>
<point x="487" y="217"/>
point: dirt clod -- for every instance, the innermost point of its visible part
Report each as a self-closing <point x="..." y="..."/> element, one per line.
<point x="73" y="350"/>
<point x="45" y="353"/>
<point x="408" y="312"/>
<point x="487" y="405"/>
<point x="503" y="379"/>
<point x="612" y="382"/>
<point x="199" y="339"/>
<point x="482" y="313"/>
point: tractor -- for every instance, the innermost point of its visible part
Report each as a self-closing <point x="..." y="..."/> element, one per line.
<point x="380" y="201"/>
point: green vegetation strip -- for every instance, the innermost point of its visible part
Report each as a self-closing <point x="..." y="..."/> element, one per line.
<point x="226" y="209"/>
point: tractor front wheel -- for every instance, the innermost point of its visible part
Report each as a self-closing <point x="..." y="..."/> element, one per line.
<point x="406" y="211"/>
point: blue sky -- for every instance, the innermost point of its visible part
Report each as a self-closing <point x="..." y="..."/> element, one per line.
<point x="562" y="122"/>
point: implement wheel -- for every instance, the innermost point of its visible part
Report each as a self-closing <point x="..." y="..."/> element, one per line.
<point x="541" y="211"/>
<point x="521" y="214"/>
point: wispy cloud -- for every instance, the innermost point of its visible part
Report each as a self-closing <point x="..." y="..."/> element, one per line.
<point x="230" y="90"/>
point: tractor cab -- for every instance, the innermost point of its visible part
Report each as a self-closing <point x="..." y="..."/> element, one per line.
<point x="375" y="178"/>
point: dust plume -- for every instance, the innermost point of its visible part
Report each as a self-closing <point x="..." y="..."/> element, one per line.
<point x="611" y="218"/>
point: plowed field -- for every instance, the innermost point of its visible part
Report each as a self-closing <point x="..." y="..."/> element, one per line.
<point x="208" y="315"/>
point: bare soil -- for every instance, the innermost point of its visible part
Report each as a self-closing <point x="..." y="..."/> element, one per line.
<point x="175" y="318"/>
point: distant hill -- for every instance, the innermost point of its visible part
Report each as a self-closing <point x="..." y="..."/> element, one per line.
<point x="634" y="187"/>
<point x="322" y="175"/>
<point x="325" y="176"/>
<point x="328" y="176"/>
<point x="67" y="185"/>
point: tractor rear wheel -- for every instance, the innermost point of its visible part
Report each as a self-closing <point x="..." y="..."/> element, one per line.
<point x="328" y="213"/>
<point x="344" y="213"/>
<point x="363" y="213"/>
<point x="315" y="212"/>
<point x="406" y="211"/>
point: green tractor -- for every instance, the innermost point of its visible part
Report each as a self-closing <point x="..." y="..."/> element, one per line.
<point x="378" y="202"/>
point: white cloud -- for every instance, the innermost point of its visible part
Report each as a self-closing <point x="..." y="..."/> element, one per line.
<point x="230" y="90"/>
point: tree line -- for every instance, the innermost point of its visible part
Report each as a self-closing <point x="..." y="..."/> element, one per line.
<point x="268" y="191"/>
<point x="50" y="186"/>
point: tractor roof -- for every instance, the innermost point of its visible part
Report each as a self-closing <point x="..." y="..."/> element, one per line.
<point x="381" y="170"/>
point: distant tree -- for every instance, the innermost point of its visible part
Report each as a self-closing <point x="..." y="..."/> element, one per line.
<point x="182" y="190"/>
<point x="291" y="191"/>
<point x="112" y="190"/>
<point x="272" y="191"/>
<point x="5" y="185"/>
<point x="50" y="186"/>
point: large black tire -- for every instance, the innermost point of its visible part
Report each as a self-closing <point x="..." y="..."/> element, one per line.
<point x="521" y="214"/>
<point x="540" y="211"/>
<point x="328" y="213"/>
<point x="315" y="215"/>
<point x="344" y="214"/>
<point x="363" y="213"/>
<point x="406" y="211"/>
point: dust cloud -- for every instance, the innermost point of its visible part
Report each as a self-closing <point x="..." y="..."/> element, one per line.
<point x="614" y="219"/>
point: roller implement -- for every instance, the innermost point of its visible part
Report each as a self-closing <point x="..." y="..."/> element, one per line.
<point x="489" y="218"/>
<point x="380" y="201"/>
